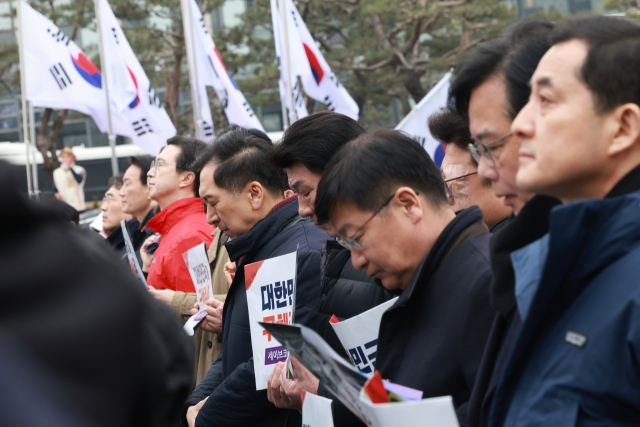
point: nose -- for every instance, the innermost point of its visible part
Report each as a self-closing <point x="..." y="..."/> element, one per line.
<point x="121" y="193"/>
<point x="151" y="173"/>
<point x="304" y="208"/>
<point x="103" y="208"/>
<point x="522" y="125"/>
<point x="487" y="172"/>
<point x="212" y="216"/>
<point x="358" y="259"/>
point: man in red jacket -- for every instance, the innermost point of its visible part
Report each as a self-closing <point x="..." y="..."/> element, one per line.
<point x="182" y="222"/>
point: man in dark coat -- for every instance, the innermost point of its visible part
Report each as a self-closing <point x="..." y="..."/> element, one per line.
<point x="305" y="149"/>
<point x="511" y="60"/>
<point x="385" y="199"/>
<point x="244" y="198"/>
<point x="575" y="361"/>
<point x="58" y="289"/>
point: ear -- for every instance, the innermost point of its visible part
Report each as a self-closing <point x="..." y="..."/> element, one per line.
<point x="187" y="179"/>
<point x="409" y="204"/>
<point x="627" y="133"/>
<point x="256" y="193"/>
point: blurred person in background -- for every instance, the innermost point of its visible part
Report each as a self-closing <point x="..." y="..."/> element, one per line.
<point x="136" y="201"/>
<point x="460" y="170"/>
<point x="69" y="180"/>
<point x="101" y="351"/>
<point x="112" y="215"/>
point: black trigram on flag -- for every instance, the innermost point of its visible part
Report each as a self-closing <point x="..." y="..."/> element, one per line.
<point x="60" y="75"/>
<point x="58" y="36"/>
<point x="207" y="130"/>
<point x="115" y="35"/>
<point x="247" y="108"/>
<point x="327" y="102"/>
<point x="204" y="27"/>
<point x="141" y="127"/>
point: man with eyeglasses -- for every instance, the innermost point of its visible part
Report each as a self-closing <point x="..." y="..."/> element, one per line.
<point x="182" y="222"/>
<point x="460" y="170"/>
<point x="112" y="214"/>
<point x="489" y="90"/>
<point x="385" y="200"/>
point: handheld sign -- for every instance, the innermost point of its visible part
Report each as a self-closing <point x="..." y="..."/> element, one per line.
<point x="316" y="411"/>
<point x="198" y="264"/>
<point x="270" y="288"/>
<point x="131" y="254"/>
<point x="359" y="335"/>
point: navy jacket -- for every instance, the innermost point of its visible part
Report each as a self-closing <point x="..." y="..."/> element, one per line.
<point x="432" y="338"/>
<point x="531" y="224"/>
<point x="230" y="382"/>
<point x="576" y="360"/>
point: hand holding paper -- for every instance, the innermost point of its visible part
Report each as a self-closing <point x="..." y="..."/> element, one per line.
<point x="213" y="321"/>
<point x="198" y="264"/>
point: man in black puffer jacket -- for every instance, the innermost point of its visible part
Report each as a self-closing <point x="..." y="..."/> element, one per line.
<point x="305" y="150"/>
<point x="244" y="198"/>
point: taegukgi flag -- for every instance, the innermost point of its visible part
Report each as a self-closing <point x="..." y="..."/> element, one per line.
<point x="306" y="61"/>
<point x="296" y="68"/>
<point x="271" y="298"/>
<point x="212" y="72"/>
<point x="143" y="119"/>
<point x="58" y="74"/>
<point x="415" y="123"/>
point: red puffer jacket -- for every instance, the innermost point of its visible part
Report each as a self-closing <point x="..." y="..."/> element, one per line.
<point x="182" y="226"/>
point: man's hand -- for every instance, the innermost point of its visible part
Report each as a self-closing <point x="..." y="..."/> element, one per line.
<point x="193" y="411"/>
<point x="230" y="271"/>
<point x="213" y="321"/>
<point x="165" y="295"/>
<point x="286" y="393"/>
<point x="146" y="258"/>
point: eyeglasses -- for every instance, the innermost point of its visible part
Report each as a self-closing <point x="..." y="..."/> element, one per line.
<point x="446" y="186"/>
<point x="484" y="150"/>
<point x="158" y="163"/>
<point x="349" y="242"/>
<point x="107" y="199"/>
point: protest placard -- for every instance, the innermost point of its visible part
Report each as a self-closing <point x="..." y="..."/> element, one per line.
<point x="271" y="298"/>
<point x="316" y="411"/>
<point x="359" y="335"/>
<point x="432" y="412"/>
<point x="198" y="264"/>
<point x="131" y="254"/>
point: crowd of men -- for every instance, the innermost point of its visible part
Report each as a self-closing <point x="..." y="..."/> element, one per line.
<point x="516" y="263"/>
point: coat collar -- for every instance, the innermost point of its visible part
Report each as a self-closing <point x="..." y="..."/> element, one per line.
<point x="531" y="224"/>
<point x="628" y="184"/>
<point x="264" y="230"/>
<point x="466" y="225"/>
<point x="174" y="213"/>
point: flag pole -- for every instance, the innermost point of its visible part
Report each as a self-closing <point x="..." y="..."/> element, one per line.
<point x="34" y="161"/>
<point x="283" y="13"/>
<point x="25" y="124"/>
<point x="103" y="65"/>
<point x="193" y="70"/>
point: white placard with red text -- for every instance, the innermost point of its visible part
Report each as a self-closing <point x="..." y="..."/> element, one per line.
<point x="271" y="298"/>
<point x="131" y="254"/>
<point x="198" y="264"/>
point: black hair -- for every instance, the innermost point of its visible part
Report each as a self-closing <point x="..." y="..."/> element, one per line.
<point x="516" y="54"/>
<point x="367" y="170"/>
<point x="449" y="127"/>
<point x="144" y="163"/>
<point x="191" y="147"/>
<point x="116" y="181"/>
<point x="313" y="140"/>
<point x="242" y="156"/>
<point x="65" y="211"/>
<point x="610" y="69"/>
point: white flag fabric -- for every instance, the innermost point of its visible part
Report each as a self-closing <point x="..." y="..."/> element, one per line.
<point x="212" y="72"/>
<point x="57" y="72"/>
<point x="306" y="61"/>
<point x="415" y="124"/>
<point x="143" y="118"/>
<point x="299" y="107"/>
